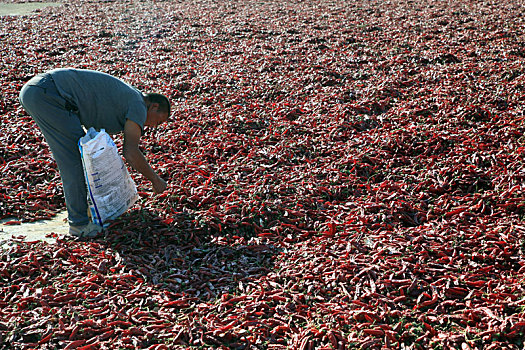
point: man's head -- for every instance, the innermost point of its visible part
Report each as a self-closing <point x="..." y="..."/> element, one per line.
<point x="159" y="109"/>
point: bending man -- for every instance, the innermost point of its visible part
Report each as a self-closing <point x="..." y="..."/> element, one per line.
<point x="64" y="100"/>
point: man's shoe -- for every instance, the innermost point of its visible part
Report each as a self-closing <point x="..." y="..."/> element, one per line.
<point x="86" y="231"/>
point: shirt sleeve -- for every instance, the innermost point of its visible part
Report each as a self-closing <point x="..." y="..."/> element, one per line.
<point x="137" y="112"/>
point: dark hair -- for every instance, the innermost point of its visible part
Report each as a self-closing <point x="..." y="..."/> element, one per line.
<point x="164" y="103"/>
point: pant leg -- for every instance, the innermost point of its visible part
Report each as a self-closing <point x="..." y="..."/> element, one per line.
<point x="62" y="130"/>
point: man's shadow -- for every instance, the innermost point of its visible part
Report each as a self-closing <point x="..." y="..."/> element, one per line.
<point x="181" y="255"/>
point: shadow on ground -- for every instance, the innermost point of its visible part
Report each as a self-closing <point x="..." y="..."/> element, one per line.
<point x="183" y="258"/>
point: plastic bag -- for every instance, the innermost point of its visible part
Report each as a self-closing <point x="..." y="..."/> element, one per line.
<point x="111" y="190"/>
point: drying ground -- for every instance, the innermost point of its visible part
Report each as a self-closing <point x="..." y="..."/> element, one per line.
<point x="343" y="174"/>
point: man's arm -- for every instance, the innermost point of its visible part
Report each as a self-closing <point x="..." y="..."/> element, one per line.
<point x="136" y="159"/>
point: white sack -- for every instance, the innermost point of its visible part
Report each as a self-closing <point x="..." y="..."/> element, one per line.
<point x="111" y="190"/>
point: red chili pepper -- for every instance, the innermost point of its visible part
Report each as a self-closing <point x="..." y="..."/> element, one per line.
<point x="75" y="344"/>
<point x="455" y="211"/>
<point x="377" y="332"/>
<point x="45" y="339"/>
<point x="90" y="346"/>
<point x="476" y="284"/>
<point x="119" y="324"/>
<point x="13" y="222"/>
<point x="177" y="303"/>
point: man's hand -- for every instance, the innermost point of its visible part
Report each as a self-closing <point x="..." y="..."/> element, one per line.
<point x="136" y="159"/>
<point x="159" y="185"/>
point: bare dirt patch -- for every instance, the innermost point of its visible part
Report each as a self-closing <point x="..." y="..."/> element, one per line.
<point x="35" y="231"/>
<point x="13" y="9"/>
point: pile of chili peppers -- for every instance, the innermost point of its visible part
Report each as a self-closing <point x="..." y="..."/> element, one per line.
<point x="341" y="175"/>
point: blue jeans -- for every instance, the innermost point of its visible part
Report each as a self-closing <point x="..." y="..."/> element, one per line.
<point x="61" y="127"/>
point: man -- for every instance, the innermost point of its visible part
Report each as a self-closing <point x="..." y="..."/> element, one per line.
<point x="63" y="101"/>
